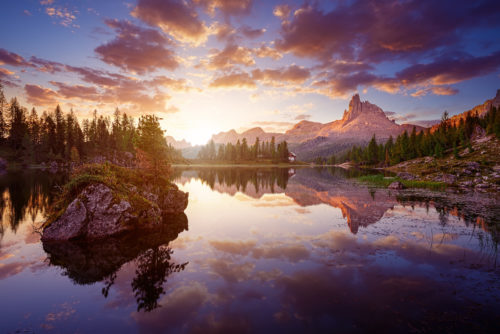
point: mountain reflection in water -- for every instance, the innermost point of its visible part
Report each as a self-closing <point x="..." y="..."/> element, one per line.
<point x="360" y="205"/>
<point x="267" y="250"/>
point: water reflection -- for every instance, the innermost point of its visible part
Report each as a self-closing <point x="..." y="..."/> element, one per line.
<point x="269" y="250"/>
<point x="90" y="262"/>
<point x="25" y="195"/>
<point x="361" y="205"/>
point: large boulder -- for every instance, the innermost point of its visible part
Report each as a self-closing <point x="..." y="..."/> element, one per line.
<point x="98" y="212"/>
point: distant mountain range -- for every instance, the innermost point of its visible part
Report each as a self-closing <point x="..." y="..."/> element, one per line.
<point x="308" y="139"/>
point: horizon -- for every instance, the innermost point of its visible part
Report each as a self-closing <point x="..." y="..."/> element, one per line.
<point x="217" y="66"/>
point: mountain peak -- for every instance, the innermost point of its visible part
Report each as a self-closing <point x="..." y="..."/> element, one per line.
<point x="356" y="108"/>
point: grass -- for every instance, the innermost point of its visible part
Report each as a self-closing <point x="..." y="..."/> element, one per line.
<point x="381" y="181"/>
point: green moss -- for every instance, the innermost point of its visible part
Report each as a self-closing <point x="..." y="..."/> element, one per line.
<point x="381" y="181"/>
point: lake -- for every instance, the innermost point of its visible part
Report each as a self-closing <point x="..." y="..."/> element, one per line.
<point x="260" y="250"/>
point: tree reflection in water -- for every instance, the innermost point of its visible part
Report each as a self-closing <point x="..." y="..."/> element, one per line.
<point x="153" y="268"/>
<point x="99" y="261"/>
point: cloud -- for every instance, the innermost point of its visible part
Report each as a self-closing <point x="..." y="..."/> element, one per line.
<point x="7" y="77"/>
<point x="177" y="309"/>
<point x="136" y="49"/>
<point x="12" y="59"/>
<point x="175" y="18"/>
<point x="250" y="32"/>
<point x="282" y="76"/>
<point x="352" y="37"/>
<point x="265" y="51"/>
<point x="76" y="91"/>
<point x="40" y="96"/>
<point x="62" y="14"/>
<point x="234" y="80"/>
<point x="230" y="56"/>
<point x="302" y="117"/>
<point x="382" y="30"/>
<point x="227" y="7"/>
<point x="282" y="11"/>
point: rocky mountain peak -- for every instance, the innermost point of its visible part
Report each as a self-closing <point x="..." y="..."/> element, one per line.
<point x="357" y="108"/>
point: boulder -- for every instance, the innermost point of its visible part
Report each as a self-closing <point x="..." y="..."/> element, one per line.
<point x="396" y="185"/>
<point x="446" y="178"/>
<point x="174" y="201"/>
<point x="406" y="176"/>
<point x="97" y="213"/>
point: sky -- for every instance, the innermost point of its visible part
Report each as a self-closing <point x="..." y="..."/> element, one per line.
<point x="205" y="66"/>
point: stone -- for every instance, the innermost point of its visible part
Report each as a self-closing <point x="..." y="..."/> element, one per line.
<point x="175" y="201"/>
<point x="396" y="185"/>
<point x="446" y="178"/>
<point x="97" y="213"/>
<point x="70" y="225"/>
<point x="406" y="176"/>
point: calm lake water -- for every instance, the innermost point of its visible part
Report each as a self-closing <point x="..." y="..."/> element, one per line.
<point x="260" y="250"/>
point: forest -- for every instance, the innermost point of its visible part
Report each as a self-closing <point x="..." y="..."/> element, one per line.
<point x="447" y="138"/>
<point x="241" y="151"/>
<point x="30" y="138"/>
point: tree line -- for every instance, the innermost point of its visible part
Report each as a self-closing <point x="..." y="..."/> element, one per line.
<point x="241" y="151"/>
<point x="406" y="146"/>
<point x="56" y="135"/>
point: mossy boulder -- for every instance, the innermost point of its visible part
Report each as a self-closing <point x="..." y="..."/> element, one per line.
<point x="104" y="200"/>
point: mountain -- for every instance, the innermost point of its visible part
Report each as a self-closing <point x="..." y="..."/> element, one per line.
<point x="177" y="144"/>
<point x="480" y="109"/>
<point x="232" y="136"/>
<point x="308" y="139"/>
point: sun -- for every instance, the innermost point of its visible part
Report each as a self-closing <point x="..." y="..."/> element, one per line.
<point x="198" y="135"/>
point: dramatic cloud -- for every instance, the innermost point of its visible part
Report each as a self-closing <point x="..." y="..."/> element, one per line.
<point x="136" y="49"/>
<point x="176" y="18"/>
<point x="40" y="96"/>
<point x="381" y="30"/>
<point x="354" y="36"/>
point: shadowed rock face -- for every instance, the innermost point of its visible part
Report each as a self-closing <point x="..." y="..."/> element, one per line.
<point x="89" y="262"/>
